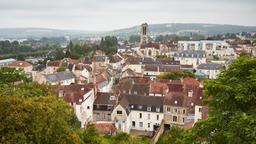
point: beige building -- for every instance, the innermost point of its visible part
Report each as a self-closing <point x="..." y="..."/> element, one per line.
<point x="27" y="67"/>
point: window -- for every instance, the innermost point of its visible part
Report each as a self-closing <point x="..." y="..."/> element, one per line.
<point x="141" y="124"/>
<point x="148" y="108"/>
<point x="200" y="109"/>
<point x="183" y="119"/>
<point x="158" y="109"/>
<point x="88" y="107"/>
<point x="109" y="117"/>
<point x="148" y="125"/>
<point x="168" y="109"/>
<point x="174" y="118"/>
<point x="157" y="117"/>
<point x="148" y="116"/>
<point x="184" y="111"/>
<point x="190" y="93"/>
<point x="140" y="107"/>
<point x="175" y="110"/>
<point x="140" y="115"/>
<point x="97" y="116"/>
<point x="119" y="112"/>
<point x="133" y="123"/>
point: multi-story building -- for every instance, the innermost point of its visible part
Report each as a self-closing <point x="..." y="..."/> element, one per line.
<point x="135" y="112"/>
<point x="217" y="48"/>
<point x="81" y="97"/>
<point x="210" y="69"/>
<point x="191" y="57"/>
<point x="103" y="107"/>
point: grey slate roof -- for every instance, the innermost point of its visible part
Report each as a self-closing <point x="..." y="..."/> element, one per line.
<point x="140" y="103"/>
<point x="59" y="76"/>
<point x="210" y="66"/>
<point x="191" y="54"/>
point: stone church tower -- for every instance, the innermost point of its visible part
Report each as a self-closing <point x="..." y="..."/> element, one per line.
<point x="144" y="36"/>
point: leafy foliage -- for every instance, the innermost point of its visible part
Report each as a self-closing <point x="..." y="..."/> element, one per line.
<point x="61" y="69"/>
<point x="35" y="120"/>
<point x="11" y="75"/>
<point x="232" y="108"/>
<point x="109" y="45"/>
<point x="175" y="75"/>
<point x="134" y="38"/>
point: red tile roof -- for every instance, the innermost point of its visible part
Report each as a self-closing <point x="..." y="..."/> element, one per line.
<point x="74" y="93"/>
<point x="159" y="86"/>
<point x="106" y="128"/>
<point x="20" y="64"/>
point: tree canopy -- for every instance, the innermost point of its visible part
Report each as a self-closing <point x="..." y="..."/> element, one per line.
<point x="232" y="107"/>
<point x="175" y="75"/>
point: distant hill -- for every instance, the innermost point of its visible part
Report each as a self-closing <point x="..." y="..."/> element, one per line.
<point x="155" y="29"/>
<point x="186" y="29"/>
<point x="41" y="32"/>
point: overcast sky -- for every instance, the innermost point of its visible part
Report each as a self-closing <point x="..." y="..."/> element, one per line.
<point x="115" y="14"/>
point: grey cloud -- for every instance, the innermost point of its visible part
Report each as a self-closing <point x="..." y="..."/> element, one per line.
<point x="114" y="14"/>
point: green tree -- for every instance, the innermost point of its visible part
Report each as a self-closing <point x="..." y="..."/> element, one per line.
<point x="175" y="75"/>
<point x="232" y="105"/>
<point x="232" y="108"/>
<point x="61" y="69"/>
<point x="11" y="75"/>
<point x="36" y="120"/>
<point x="134" y="38"/>
<point x="90" y="135"/>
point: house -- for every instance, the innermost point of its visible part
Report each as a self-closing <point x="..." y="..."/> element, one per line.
<point x="25" y="66"/>
<point x="133" y="85"/>
<point x="211" y="47"/>
<point x="81" y="98"/>
<point x="116" y="61"/>
<point x="103" y="107"/>
<point x="103" y="80"/>
<point x="128" y="73"/>
<point x="141" y="113"/>
<point x="201" y="113"/>
<point x="133" y="63"/>
<point x="99" y="61"/>
<point x="210" y="69"/>
<point x="158" y="87"/>
<point x="53" y="66"/>
<point x="191" y="57"/>
<point x="59" y="78"/>
<point x="5" y="62"/>
<point x="83" y="72"/>
<point x="153" y="70"/>
<point x="180" y="101"/>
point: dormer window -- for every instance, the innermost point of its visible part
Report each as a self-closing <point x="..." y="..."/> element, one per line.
<point x="148" y="108"/>
<point x="157" y="109"/>
<point x="190" y="93"/>
<point x="192" y="104"/>
<point x="135" y="92"/>
<point x="176" y="102"/>
<point x="119" y="112"/>
<point x="112" y="98"/>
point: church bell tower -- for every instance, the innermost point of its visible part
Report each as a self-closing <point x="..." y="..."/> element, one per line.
<point x="144" y="36"/>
